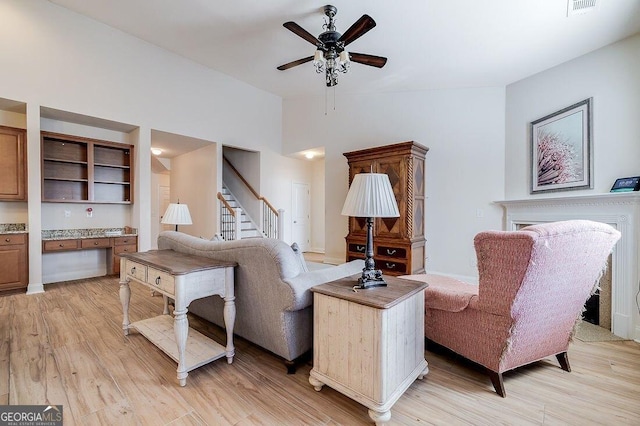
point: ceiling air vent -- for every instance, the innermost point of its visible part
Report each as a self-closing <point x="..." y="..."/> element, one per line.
<point x="579" y="7"/>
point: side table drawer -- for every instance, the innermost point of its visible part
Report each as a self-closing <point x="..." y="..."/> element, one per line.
<point x="136" y="271"/>
<point x="162" y="280"/>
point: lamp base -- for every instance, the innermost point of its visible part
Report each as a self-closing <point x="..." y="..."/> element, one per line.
<point x="371" y="278"/>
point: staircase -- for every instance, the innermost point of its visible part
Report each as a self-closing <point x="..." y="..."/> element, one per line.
<point x="248" y="227"/>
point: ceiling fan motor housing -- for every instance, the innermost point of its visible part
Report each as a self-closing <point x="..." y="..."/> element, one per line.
<point x="330" y="42"/>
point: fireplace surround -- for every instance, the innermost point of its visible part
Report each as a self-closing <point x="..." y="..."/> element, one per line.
<point x="620" y="210"/>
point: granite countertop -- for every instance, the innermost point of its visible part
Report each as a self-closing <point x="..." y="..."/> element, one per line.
<point x="74" y="234"/>
<point x="13" y="228"/>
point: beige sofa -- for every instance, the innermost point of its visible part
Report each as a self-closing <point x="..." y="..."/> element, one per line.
<point x="273" y="300"/>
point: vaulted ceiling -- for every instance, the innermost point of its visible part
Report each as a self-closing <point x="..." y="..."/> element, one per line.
<point x="430" y="43"/>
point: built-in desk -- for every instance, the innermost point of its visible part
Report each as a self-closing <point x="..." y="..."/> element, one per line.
<point x="117" y="240"/>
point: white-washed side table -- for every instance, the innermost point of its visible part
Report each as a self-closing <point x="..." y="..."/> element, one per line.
<point x="184" y="278"/>
<point x="369" y="344"/>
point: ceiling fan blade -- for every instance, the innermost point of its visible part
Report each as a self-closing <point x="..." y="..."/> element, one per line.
<point x="301" y="32"/>
<point x="371" y="60"/>
<point x="358" y="29"/>
<point x="295" y="63"/>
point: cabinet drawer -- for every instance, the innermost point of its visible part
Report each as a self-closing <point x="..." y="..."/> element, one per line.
<point x="13" y="239"/>
<point x="95" y="243"/>
<point x="162" y="280"/>
<point x="125" y="249"/>
<point x="61" y="245"/>
<point x="136" y="271"/>
<point x="357" y="248"/>
<point x="123" y="241"/>
<point x="397" y="252"/>
<point x="391" y="267"/>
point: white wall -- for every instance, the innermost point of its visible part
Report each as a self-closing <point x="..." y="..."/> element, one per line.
<point x="278" y="175"/>
<point x="611" y="76"/>
<point x="317" y="206"/>
<point x="464" y="129"/>
<point x="62" y="60"/>
<point x="194" y="182"/>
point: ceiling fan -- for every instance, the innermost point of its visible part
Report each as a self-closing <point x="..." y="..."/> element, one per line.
<point x="330" y="56"/>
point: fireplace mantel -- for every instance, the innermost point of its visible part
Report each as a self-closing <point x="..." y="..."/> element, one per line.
<point x="620" y="210"/>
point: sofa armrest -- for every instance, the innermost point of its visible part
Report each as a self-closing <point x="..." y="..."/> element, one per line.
<point x="301" y="283"/>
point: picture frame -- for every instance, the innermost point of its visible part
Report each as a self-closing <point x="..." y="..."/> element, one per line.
<point x="562" y="149"/>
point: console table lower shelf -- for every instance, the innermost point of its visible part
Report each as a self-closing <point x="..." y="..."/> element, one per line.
<point x="183" y="278"/>
<point x="199" y="349"/>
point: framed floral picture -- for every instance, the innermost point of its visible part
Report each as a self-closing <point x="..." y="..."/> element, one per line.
<point x="562" y="149"/>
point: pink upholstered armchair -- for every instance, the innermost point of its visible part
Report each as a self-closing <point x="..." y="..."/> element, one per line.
<point x="532" y="289"/>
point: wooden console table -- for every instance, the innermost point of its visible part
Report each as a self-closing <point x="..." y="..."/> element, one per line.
<point x="369" y="344"/>
<point x="184" y="278"/>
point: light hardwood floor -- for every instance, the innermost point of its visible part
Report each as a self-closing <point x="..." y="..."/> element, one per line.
<point x="66" y="346"/>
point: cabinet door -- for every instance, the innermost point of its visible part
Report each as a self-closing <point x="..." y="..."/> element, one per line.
<point x="14" y="268"/>
<point x="358" y="225"/>
<point x="396" y="168"/>
<point x="13" y="164"/>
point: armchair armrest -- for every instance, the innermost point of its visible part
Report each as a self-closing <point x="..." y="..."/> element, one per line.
<point x="301" y="283"/>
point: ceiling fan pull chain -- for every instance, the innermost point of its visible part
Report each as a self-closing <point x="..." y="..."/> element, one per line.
<point x="334" y="98"/>
<point x="326" y="93"/>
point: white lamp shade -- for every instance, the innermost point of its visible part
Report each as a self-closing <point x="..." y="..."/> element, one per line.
<point x="177" y="214"/>
<point x="370" y="195"/>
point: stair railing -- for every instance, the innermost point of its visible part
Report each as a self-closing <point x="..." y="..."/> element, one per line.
<point x="230" y="220"/>
<point x="272" y="219"/>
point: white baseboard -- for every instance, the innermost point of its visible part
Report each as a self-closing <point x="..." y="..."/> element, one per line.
<point x="35" y="288"/>
<point x="334" y="260"/>
<point x="464" y="278"/>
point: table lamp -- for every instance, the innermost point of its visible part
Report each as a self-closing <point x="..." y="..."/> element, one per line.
<point x="177" y="214"/>
<point x="369" y="196"/>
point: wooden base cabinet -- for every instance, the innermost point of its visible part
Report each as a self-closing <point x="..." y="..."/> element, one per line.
<point x="14" y="261"/>
<point x="369" y="345"/>
<point x="399" y="242"/>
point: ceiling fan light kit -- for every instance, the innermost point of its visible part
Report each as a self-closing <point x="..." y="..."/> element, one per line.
<point x="330" y="56"/>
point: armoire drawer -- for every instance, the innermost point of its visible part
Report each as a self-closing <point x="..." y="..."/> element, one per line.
<point x="389" y="251"/>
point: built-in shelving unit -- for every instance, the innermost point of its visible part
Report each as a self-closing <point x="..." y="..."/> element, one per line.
<point x="77" y="169"/>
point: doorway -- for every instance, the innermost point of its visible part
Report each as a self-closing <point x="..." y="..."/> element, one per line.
<point x="301" y="207"/>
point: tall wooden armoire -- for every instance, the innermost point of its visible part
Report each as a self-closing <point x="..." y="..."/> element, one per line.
<point x="399" y="242"/>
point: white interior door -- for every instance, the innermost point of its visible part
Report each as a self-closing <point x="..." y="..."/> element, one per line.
<point x="301" y="227"/>
<point x="163" y="203"/>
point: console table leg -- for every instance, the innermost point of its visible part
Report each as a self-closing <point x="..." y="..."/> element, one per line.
<point x="380" y="418"/>
<point x="181" y="330"/>
<point x="165" y="299"/>
<point x="125" y="296"/>
<point x="229" y="313"/>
